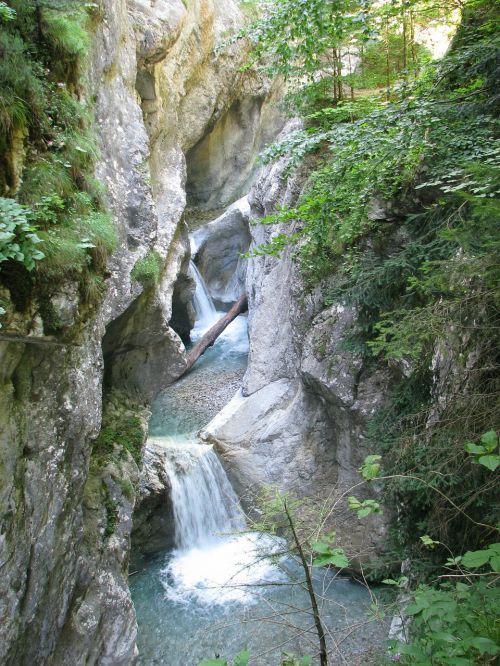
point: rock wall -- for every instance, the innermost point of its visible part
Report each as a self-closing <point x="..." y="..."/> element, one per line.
<point x="217" y="247"/>
<point x="298" y="422"/>
<point x="160" y="86"/>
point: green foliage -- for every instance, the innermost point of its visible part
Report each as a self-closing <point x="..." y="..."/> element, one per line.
<point x="43" y="48"/>
<point x="328" y="555"/>
<point x="453" y="625"/>
<point x="66" y="36"/>
<point x="250" y="8"/>
<point x="241" y="659"/>
<point x="479" y="558"/>
<point x="111" y="513"/>
<point x="383" y="61"/>
<point x="335" y="45"/>
<point x="18" y="240"/>
<point x="129" y="435"/>
<point x="6" y="12"/>
<point x="297" y="35"/>
<point x="292" y="660"/>
<point x="371" y="467"/>
<point x="147" y="271"/>
<point x="484" y="453"/>
<point x="400" y="220"/>
<point x="363" y="508"/>
<point x="123" y="429"/>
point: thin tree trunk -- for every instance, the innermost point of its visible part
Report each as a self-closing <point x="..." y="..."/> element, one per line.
<point x="339" y="74"/>
<point x="387" y="61"/>
<point x="412" y="45"/>
<point x="334" y="65"/>
<point x="213" y="333"/>
<point x="405" y="43"/>
<point x="323" y="654"/>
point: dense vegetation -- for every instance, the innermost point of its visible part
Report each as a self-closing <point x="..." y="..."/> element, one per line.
<point x="400" y="218"/>
<point x="53" y="224"/>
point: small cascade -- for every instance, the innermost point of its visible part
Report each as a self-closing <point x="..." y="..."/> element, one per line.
<point x="204" y="307"/>
<point x="214" y="561"/>
<point x="205" y="504"/>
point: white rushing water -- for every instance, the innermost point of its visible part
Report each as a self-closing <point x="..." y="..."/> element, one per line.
<point x="234" y="340"/>
<point x="205" y="504"/>
<point x="206" y="314"/>
<point x="214" y="561"/>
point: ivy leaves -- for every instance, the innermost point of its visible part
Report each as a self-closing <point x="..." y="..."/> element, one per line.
<point x="18" y="240"/>
<point x="451" y="626"/>
<point x="363" y="508"/>
<point x="473" y="559"/>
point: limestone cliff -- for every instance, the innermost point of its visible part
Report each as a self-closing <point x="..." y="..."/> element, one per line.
<point x="299" y="421"/>
<point x="162" y="84"/>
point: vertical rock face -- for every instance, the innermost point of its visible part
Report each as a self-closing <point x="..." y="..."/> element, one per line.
<point x="306" y="399"/>
<point x="160" y="87"/>
<point x="217" y="249"/>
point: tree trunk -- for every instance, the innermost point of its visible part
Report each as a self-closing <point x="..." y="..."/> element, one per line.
<point x="323" y="653"/>
<point x="213" y="333"/>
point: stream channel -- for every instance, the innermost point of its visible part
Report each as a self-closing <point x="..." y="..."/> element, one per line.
<point x="215" y="594"/>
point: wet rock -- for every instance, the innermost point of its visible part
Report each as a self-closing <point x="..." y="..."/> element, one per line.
<point x="218" y="246"/>
<point x="153" y="517"/>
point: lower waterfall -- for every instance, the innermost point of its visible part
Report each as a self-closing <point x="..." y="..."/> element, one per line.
<point x="214" y="560"/>
<point x="205" y="505"/>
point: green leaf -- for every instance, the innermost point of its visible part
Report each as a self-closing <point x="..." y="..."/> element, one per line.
<point x="371" y="467"/>
<point x="335" y="557"/>
<point x="320" y="547"/>
<point x="305" y="661"/>
<point x="475" y="558"/>
<point x="362" y="513"/>
<point x="474" y="448"/>
<point x="491" y="462"/>
<point x="484" y="645"/>
<point x="427" y="541"/>
<point x="444" y="636"/>
<point x="490" y="440"/>
<point x="495" y="563"/>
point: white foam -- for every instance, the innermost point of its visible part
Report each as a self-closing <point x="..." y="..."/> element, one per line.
<point x="223" y="571"/>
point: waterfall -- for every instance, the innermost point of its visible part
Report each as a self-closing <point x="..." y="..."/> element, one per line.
<point x="215" y="561"/>
<point x="205" y="504"/>
<point x="204" y="307"/>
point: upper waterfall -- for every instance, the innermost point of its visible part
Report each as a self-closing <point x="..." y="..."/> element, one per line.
<point x="204" y="307"/>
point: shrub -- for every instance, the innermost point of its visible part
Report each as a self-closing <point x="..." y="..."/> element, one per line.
<point x="147" y="271"/>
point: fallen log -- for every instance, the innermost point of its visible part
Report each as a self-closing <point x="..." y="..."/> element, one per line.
<point x="209" y="338"/>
